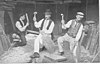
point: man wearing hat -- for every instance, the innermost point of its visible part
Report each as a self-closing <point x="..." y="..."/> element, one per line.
<point x="73" y="34"/>
<point x="45" y="26"/>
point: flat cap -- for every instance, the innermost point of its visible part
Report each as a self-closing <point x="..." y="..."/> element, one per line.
<point x="48" y="12"/>
<point x="80" y="13"/>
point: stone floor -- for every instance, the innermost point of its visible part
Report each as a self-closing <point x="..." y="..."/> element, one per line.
<point x="22" y="55"/>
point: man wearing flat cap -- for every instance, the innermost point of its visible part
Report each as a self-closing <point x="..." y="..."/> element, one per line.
<point x="45" y="26"/>
<point x="73" y="34"/>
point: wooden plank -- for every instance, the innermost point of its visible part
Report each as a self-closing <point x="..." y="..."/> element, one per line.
<point x="55" y="57"/>
<point x="93" y="40"/>
<point x="78" y="52"/>
<point x="32" y="31"/>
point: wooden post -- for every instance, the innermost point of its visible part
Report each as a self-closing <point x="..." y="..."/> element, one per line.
<point x="12" y="19"/>
<point x="1" y="23"/>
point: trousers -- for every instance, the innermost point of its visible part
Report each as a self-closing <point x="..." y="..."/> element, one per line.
<point x="68" y="38"/>
<point x="23" y="39"/>
<point x="73" y="44"/>
<point x="44" y="40"/>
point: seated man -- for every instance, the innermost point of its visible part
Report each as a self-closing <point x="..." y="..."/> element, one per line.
<point x="73" y="34"/>
<point x="46" y="26"/>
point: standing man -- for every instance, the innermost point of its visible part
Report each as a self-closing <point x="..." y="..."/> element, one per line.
<point x="45" y="26"/>
<point x="73" y="34"/>
<point x="21" y="28"/>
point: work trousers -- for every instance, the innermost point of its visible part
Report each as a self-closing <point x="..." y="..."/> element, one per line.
<point x="68" y="38"/>
<point x="44" y="40"/>
<point x="23" y="39"/>
<point x="73" y="44"/>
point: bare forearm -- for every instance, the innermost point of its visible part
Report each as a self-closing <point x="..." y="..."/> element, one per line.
<point x="23" y="28"/>
<point x="63" y="26"/>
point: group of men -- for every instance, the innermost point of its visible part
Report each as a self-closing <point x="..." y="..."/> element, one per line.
<point x="46" y="26"/>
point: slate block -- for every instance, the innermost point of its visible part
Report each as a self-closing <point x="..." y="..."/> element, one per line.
<point x="54" y="57"/>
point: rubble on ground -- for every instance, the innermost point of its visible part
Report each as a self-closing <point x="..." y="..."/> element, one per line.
<point x="16" y="55"/>
<point x="22" y="55"/>
<point x="85" y="55"/>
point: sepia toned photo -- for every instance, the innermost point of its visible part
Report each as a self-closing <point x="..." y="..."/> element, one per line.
<point x="49" y="31"/>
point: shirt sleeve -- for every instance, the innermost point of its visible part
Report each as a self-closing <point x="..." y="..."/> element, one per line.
<point x="50" y="30"/>
<point x="38" y="24"/>
<point x="79" y="33"/>
<point x="18" y="25"/>
<point x="67" y="25"/>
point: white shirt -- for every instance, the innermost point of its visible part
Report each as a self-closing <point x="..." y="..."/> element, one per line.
<point x="79" y="31"/>
<point x="46" y="23"/>
<point x="19" y="26"/>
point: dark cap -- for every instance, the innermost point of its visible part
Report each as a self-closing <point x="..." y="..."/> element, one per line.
<point x="48" y="12"/>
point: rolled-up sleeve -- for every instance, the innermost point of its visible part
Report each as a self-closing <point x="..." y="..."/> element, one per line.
<point x="67" y="25"/>
<point x="50" y="30"/>
<point x="38" y="24"/>
<point x="79" y="33"/>
<point x="18" y="25"/>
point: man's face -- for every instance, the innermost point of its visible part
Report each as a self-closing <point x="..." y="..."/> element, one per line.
<point x="78" y="17"/>
<point x="47" y="16"/>
<point x="22" y="17"/>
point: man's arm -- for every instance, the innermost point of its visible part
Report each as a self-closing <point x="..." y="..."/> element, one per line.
<point x="18" y="25"/>
<point x="64" y="26"/>
<point x="50" y="30"/>
<point x="79" y="33"/>
<point x="38" y="24"/>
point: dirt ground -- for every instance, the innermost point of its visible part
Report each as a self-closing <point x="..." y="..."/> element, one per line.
<point x="22" y="55"/>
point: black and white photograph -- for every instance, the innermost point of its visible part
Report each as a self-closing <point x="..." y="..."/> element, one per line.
<point x="49" y="31"/>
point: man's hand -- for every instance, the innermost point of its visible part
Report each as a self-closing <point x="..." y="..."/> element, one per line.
<point x="34" y="18"/>
<point x="62" y="21"/>
<point x="35" y="13"/>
